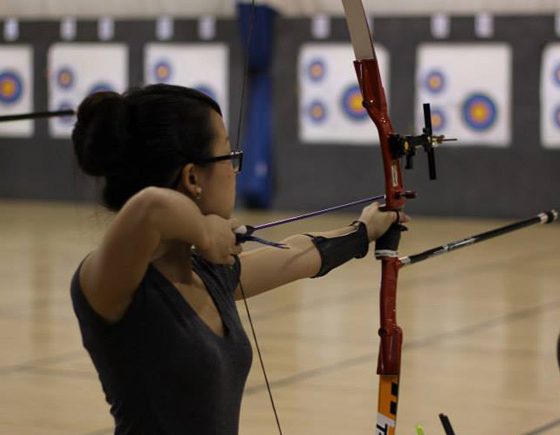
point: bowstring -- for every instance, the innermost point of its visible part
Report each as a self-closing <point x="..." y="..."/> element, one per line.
<point x="245" y="76"/>
<point x="237" y="148"/>
<point x="260" y="358"/>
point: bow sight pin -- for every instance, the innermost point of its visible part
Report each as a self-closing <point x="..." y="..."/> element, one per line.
<point x="405" y="146"/>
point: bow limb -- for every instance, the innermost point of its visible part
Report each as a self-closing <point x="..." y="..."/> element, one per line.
<point x="375" y="103"/>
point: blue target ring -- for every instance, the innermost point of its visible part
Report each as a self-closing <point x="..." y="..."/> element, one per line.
<point x="351" y="103"/>
<point x="11" y="87"/>
<point x="316" y="70"/>
<point x="163" y="71"/>
<point x="479" y="112"/>
<point x="65" y="78"/>
<point x="317" y="112"/>
<point x="101" y="87"/>
<point x="435" y="81"/>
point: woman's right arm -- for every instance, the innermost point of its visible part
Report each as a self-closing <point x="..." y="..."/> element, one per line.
<point x="111" y="274"/>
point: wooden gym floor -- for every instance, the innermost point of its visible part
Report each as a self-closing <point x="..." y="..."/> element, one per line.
<point x="480" y="328"/>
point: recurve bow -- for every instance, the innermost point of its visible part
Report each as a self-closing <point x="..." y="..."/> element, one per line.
<point x="393" y="147"/>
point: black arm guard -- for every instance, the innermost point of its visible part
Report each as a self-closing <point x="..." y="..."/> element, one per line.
<point x="338" y="250"/>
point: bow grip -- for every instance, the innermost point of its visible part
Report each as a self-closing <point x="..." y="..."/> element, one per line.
<point x="388" y="244"/>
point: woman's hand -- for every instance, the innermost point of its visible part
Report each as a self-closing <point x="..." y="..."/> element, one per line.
<point x="377" y="221"/>
<point x="221" y="246"/>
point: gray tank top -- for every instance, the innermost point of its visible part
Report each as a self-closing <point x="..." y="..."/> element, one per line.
<point x="162" y="369"/>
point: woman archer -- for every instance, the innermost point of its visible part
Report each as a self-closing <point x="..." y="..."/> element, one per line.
<point x="155" y="301"/>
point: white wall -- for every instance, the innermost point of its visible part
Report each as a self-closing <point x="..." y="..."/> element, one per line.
<point x="117" y="8"/>
<point x="226" y="8"/>
<point x="421" y="7"/>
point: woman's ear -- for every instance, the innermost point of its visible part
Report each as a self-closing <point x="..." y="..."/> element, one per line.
<point x="190" y="181"/>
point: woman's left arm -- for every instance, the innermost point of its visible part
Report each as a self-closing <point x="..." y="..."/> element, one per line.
<point x="267" y="268"/>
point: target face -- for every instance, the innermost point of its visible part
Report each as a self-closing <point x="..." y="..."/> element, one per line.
<point x="438" y="119"/>
<point x="16" y="88"/>
<point x="163" y="71"/>
<point x="65" y="78"/>
<point x="316" y="70"/>
<point x="479" y="112"/>
<point x="78" y="70"/>
<point x="201" y="66"/>
<point x="329" y="99"/>
<point x="11" y="87"/>
<point x="435" y="81"/>
<point x="550" y="96"/>
<point x="317" y="112"/>
<point x="469" y="86"/>
<point x="352" y="103"/>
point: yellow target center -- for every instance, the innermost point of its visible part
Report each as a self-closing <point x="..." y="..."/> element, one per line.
<point x="479" y="112"/>
<point x="317" y="111"/>
<point x="316" y="70"/>
<point x="356" y="103"/>
<point x="8" y="87"/>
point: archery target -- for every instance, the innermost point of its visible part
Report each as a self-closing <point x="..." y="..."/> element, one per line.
<point x="438" y="120"/>
<point x="77" y="70"/>
<point x="330" y="101"/>
<point x="317" y="112"/>
<point x="469" y="89"/>
<point x="550" y="97"/>
<point x="201" y="66"/>
<point x="11" y="87"/>
<point x="65" y="78"/>
<point x="163" y="72"/>
<point x="316" y="70"/>
<point x="479" y="112"/>
<point x="16" y="89"/>
<point x="435" y="81"/>
<point x="351" y="103"/>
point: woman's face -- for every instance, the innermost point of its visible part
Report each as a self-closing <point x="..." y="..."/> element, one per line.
<point x="217" y="179"/>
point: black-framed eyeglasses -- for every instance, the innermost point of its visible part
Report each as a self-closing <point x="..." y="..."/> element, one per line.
<point x="236" y="158"/>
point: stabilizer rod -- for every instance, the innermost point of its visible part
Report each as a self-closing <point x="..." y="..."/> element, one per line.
<point x="542" y="218"/>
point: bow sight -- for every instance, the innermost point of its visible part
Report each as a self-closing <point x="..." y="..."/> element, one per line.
<point x="405" y="146"/>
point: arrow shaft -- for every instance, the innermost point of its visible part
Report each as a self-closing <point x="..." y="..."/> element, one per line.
<point x="319" y="212"/>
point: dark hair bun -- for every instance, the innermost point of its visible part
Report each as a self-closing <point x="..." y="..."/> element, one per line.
<point x="101" y="135"/>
